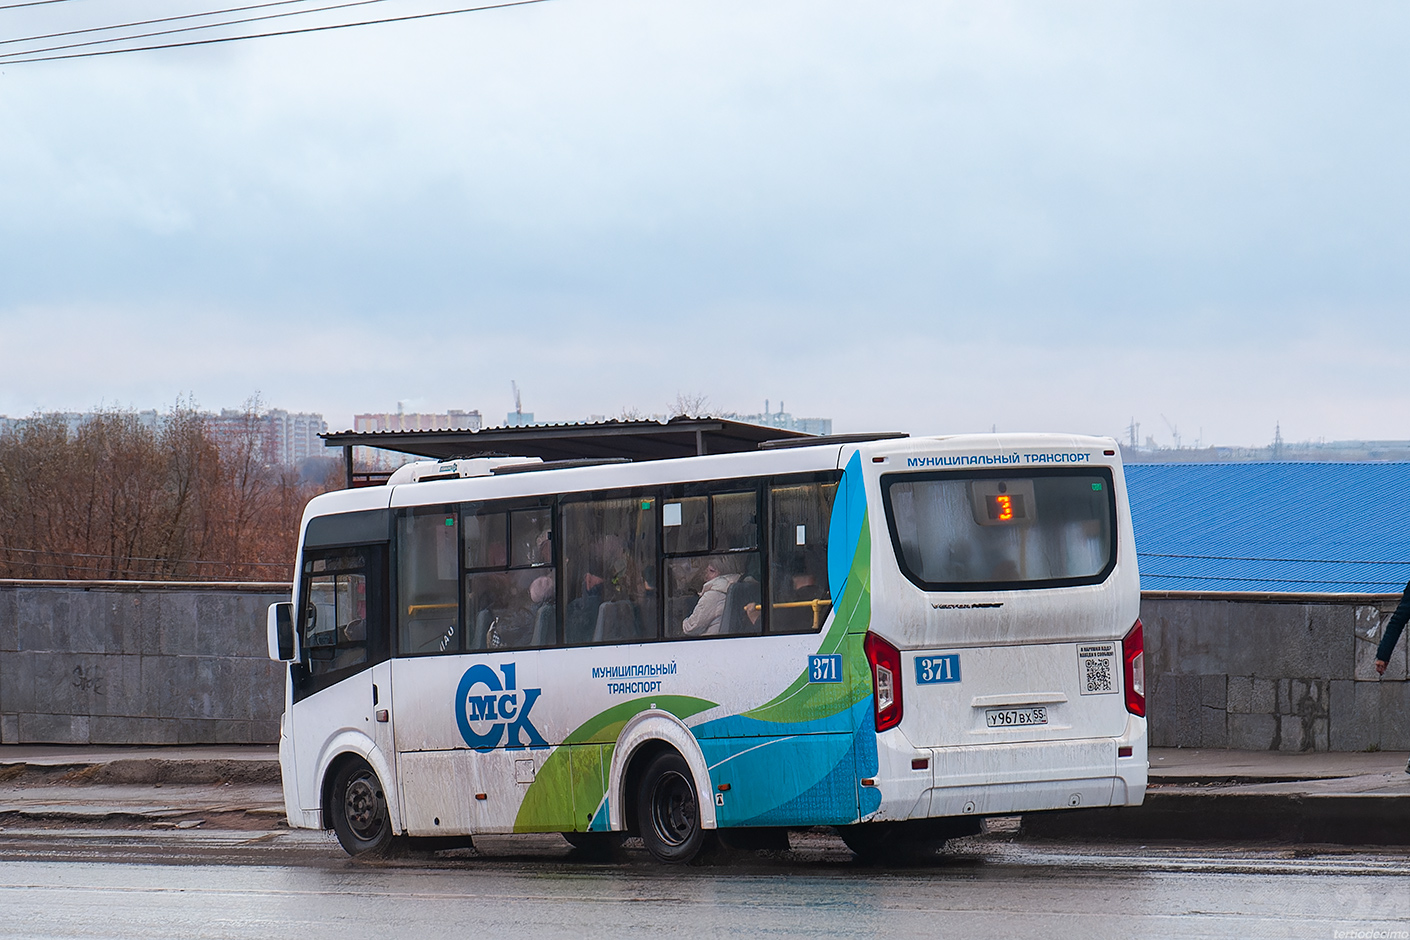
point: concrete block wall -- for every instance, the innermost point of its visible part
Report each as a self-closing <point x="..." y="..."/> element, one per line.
<point x="93" y="662"/>
<point x="89" y="662"/>
<point x="1273" y="672"/>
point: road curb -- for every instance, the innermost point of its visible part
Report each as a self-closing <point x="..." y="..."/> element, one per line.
<point x="117" y="817"/>
<point x="139" y="771"/>
<point x="1336" y="819"/>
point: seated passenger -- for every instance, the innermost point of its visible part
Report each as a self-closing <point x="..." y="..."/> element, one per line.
<point x="720" y="572"/>
<point x="580" y="622"/>
<point x="801" y="586"/>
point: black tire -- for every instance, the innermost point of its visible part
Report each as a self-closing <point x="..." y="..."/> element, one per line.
<point x="358" y="805"/>
<point x="668" y="811"/>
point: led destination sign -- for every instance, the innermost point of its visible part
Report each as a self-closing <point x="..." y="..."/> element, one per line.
<point x="1002" y="502"/>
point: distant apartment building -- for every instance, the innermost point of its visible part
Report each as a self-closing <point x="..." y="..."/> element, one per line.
<point x="75" y="419"/>
<point x="373" y="458"/>
<point x="296" y="435"/>
<point x="415" y="421"/>
<point x="283" y="438"/>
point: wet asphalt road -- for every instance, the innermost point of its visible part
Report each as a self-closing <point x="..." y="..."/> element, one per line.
<point x="238" y="884"/>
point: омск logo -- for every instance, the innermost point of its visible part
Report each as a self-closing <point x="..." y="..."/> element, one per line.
<point x="500" y="700"/>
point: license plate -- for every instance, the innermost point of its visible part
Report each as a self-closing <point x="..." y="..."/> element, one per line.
<point x="1016" y="717"/>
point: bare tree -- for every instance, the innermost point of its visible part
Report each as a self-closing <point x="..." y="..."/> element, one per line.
<point x="690" y="405"/>
<point x="115" y="498"/>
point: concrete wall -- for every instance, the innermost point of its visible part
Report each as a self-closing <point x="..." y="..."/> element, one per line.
<point x="1273" y="672"/>
<point x="91" y="662"/>
<point x="94" y="662"/>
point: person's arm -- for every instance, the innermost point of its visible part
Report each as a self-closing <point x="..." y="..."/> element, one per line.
<point x="1393" y="630"/>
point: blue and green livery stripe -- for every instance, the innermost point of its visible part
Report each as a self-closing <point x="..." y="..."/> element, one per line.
<point x="818" y="737"/>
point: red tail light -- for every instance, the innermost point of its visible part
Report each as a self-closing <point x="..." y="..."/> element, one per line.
<point x="1133" y="655"/>
<point x="885" y="662"/>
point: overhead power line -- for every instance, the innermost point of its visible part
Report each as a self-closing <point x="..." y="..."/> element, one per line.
<point x="30" y="3"/>
<point x="126" y="558"/>
<point x="134" y="23"/>
<point x="189" y="29"/>
<point x="150" y="572"/>
<point x="34" y="57"/>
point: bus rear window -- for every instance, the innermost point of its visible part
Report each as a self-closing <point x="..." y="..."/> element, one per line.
<point x="990" y="531"/>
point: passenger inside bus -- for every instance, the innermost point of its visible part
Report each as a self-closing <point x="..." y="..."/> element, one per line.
<point x="504" y="615"/>
<point x="581" y="618"/>
<point x="541" y="591"/>
<point x="611" y="590"/>
<point x="803" y="602"/>
<point x="721" y="572"/>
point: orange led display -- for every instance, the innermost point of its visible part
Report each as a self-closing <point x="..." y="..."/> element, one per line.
<point x="1004" y="508"/>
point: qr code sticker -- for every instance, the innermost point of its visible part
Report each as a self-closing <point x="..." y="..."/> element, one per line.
<point x="1098" y="675"/>
<point x="1098" y="660"/>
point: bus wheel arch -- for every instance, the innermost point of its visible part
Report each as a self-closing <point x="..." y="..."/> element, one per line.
<point x="358" y="804"/>
<point x="643" y="739"/>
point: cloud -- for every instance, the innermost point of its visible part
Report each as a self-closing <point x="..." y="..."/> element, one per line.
<point x="912" y="215"/>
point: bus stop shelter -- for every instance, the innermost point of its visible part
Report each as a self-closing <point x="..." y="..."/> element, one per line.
<point x="630" y="440"/>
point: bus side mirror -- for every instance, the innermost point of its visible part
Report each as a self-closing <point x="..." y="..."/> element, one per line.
<point x="280" y="624"/>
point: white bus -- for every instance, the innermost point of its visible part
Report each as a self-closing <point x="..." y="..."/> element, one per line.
<point x="895" y="637"/>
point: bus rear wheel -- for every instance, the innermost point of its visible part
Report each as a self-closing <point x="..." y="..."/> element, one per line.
<point x="668" y="811"/>
<point x="358" y="805"/>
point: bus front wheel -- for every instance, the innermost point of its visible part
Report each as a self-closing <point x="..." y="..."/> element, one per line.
<point x="668" y="811"/>
<point x="358" y="805"/>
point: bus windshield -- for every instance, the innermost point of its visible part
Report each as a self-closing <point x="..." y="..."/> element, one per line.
<point x="957" y="531"/>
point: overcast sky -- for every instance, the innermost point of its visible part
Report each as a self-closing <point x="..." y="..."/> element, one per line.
<point x="926" y="216"/>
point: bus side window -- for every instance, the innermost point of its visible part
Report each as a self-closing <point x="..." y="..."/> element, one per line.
<point x="735" y="521"/>
<point x="685" y="525"/>
<point x="799" y="601"/>
<point x="510" y="581"/>
<point x="428" y="602"/>
<point x="714" y="594"/>
<point x="609" y="565"/>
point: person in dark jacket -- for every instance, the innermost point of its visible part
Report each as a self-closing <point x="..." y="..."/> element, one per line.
<point x="1394" y="628"/>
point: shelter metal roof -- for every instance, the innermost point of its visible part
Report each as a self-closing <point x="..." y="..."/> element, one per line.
<point x="634" y="440"/>
<point x="1281" y="527"/>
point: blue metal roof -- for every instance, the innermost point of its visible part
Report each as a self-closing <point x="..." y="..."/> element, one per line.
<point x="1284" y="527"/>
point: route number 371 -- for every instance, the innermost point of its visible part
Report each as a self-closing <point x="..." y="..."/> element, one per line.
<point x="933" y="669"/>
<point x="825" y="668"/>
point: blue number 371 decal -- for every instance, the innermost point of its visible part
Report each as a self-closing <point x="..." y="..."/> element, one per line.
<point x="825" y="668"/>
<point x="932" y="669"/>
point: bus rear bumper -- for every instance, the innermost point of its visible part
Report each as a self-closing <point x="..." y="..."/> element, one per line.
<point x="997" y="779"/>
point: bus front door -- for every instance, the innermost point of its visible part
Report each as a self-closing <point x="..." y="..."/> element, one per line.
<point x="342" y="683"/>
